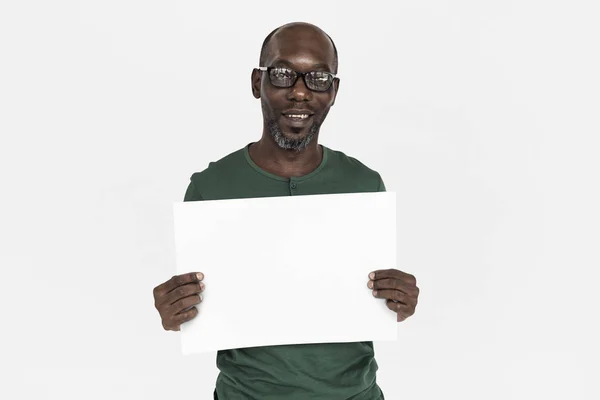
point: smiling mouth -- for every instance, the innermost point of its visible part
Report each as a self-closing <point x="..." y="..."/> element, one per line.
<point x="297" y="117"/>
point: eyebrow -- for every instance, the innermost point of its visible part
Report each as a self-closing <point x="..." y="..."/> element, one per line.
<point x="289" y="64"/>
<point x="321" y="66"/>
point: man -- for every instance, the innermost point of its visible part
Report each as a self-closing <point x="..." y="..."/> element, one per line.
<point x="296" y="84"/>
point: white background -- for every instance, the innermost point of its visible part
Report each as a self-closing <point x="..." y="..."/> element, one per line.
<point x="482" y="115"/>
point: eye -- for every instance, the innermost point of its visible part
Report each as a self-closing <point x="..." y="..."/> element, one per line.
<point x="321" y="77"/>
<point x="320" y="81"/>
<point x="282" y="73"/>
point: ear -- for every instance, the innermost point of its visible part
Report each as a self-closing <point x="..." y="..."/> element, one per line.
<point x="336" y="86"/>
<point x="256" y="80"/>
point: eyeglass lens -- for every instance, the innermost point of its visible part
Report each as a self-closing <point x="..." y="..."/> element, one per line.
<point x="317" y="80"/>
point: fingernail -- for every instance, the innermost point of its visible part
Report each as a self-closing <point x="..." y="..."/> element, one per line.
<point x="200" y="276"/>
<point x="370" y="285"/>
<point x="374" y="292"/>
<point x="372" y="275"/>
<point x="200" y="297"/>
<point x="201" y="286"/>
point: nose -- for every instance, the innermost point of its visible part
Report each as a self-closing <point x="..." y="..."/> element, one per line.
<point x="299" y="92"/>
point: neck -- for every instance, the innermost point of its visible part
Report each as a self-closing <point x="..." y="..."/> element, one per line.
<point x="285" y="163"/>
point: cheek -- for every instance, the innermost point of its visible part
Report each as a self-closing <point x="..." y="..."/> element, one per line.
<point x="324" y="105"/>
<point x="324" y="101"/>
<point x="274" y="101"/>
<point x="269" y="109"/>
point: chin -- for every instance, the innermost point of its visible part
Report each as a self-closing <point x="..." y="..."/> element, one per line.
<point x="292" y="139"/>
<point x="296" y="135"/>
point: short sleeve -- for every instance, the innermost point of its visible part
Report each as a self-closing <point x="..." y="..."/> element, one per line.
<point x="191" y="194"/>
<point x="381" y="187"/>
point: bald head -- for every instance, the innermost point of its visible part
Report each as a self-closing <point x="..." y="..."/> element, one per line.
<point x="299" y="33"/>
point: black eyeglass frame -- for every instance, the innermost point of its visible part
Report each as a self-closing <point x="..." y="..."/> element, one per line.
<point x="303" y="75"/>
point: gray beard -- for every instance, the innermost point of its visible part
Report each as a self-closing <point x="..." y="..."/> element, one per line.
<point x="288" y="143"/>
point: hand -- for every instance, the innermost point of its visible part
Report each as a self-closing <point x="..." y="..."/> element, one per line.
<point x="398" y="288"/>
<point x="175" y="299"/>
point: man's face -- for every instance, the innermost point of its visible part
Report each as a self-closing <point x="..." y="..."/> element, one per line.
<point x="302" y="50"/>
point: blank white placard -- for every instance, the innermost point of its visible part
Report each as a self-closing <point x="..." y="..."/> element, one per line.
<point x="287" y="270"/>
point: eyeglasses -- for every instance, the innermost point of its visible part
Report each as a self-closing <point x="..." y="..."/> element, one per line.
<point x="318" y="81"/>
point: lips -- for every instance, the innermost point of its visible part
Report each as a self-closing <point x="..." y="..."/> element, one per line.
<point x="297" y="117"/>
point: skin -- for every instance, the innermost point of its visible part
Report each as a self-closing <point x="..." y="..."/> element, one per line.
<point x="399" y="290"/>
<point x="301" y="47"/>
<point x="176" y="299"/>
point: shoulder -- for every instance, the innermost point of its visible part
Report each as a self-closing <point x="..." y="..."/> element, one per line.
<point x="219" y="169"/>
<point x="351" y="166"/>
<point x="218" y="174"/>
<point x="342" y="160"/>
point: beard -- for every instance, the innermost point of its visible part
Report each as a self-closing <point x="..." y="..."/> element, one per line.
<point x="288" y="143"/>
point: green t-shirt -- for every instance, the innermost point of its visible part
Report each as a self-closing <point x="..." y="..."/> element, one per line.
<point x="327" y="371"/>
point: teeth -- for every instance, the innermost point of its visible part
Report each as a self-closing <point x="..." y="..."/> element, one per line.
<point x="300" y="116"/>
